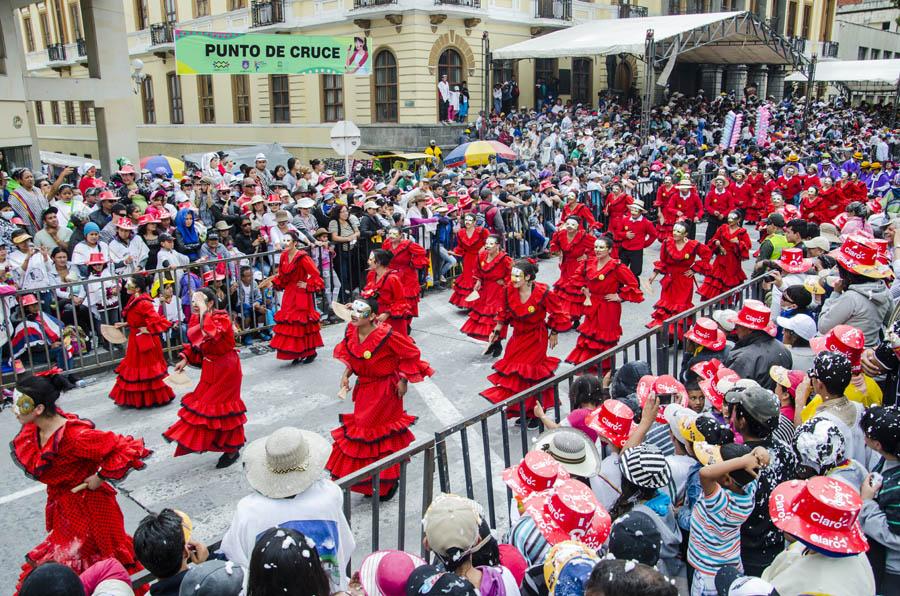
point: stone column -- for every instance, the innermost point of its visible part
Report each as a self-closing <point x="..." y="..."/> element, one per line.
<point x="776" y="81"/>
<point x="736" y="79"/>
<point x="759" y="76"/>
<point x="711" y="79"/>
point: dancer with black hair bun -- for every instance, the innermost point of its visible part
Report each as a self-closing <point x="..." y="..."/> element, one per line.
<point x="75" y="461"/>
<point x="537" y="318"/>
<point x="574" y="245"/>
<point x="384" y="362"/>
<point x="470" y="240"/>
<point x="212" y="416"/>
<point x="490" y="278"/>
<point x="141" y="373"/>
<point x="383" y="284"/>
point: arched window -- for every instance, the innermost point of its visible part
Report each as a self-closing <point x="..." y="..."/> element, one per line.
<point x="581" y="80"/>
<point x="451" y="64"/>
<point x="385" y="87"/>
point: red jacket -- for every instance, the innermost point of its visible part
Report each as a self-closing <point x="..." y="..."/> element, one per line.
<point x="720" y="203"/>
<point x="790" y="187"/>
<point x="811" y="180"/>
<point x="644" y="233"/>
<point x="743" y="195"/>
<point x="689" y="206"/>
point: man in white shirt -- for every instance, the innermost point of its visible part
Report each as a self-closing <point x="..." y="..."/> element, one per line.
<point x="52" y="235"/>
<point x="286" y="471"/>
<point x="444" y="91"/>
<point x="29" y="265"/>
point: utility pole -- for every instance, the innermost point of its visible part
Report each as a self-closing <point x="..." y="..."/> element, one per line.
<point x="649" y="83"/>
<point x="810" y="91"/>
<point x="486" y="79"/>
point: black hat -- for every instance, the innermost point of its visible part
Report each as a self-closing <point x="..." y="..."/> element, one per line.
<point x="52" y="579"/>
<point x="634" y="536"/>
<point x="165" y="236"/>
<point x="429" y="580"/>
<point x="212" y="235"/>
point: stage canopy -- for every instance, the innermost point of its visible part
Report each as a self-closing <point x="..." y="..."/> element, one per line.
<point x="853" y="71"/>
<point x="709" y="38"/>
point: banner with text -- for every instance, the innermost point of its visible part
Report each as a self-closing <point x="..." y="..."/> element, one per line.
<point x="204" y="52"/>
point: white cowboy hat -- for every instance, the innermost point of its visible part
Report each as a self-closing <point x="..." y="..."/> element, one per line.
<point x="573" y="449"/>
<point x="285" y="463"/>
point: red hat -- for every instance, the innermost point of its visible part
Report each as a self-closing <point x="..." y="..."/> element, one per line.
<point x="843" y="339"/>
<point x="346" y="185"/>
<point x="755" y="315"/>
<point x="858" y="254"/>
<point x="789" y="379"/>
<point x="107" y="195"/>
<point x="544" y="185"/>
<point x="707" y="369"/>
<point x="148" y="217"/>
<point x="512" y="559"/>
<point x="537" y="472"/>
<point x="273" y="198"/>
<point x="127" y="169"/>
<point x="222" y="186"/>
<point x="464" y="202"/>
<point x="706" y="333"/>
<point x="822" y="512"/>
<point x="29" y="299"/>
<point x="96" y="258"/>
<point x="792" y="261"/>
<point x="124" y="223"/>
<point x="882" y="251"/>
<point x="661" y="385"/>
<point x="367" y="185"/>
<point x="612" y="421"/>
<point x="211" y="276"/>
<point x="329" y="186"/>
<point x="569" y="512"/>
<point x="98" y="183"/>
<point x="493" y="184"/>
<point x="710" y="386"/>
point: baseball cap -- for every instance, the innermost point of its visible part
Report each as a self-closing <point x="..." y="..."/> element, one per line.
<point x="802" y="325"/>
<point x="428" y="579"/>
<point x="634" y="536"/>
<point x="165" y="236"/>
<point x="820" y="242"/>
<point x="451" y="522"/>
<point x="213" y="578"/>
<point x="759" y="403"/>
<point x="730" y="582"/>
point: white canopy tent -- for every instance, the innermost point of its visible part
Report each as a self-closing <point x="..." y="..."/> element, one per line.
<point x="712" y="38"/>
<point x="853" y="71"/>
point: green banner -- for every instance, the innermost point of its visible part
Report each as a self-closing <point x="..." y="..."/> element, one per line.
<point x="203" y="52"/>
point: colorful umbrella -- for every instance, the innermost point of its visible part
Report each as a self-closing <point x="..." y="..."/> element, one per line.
<point x="174" y="167"/>
<point x="479" y="153"/>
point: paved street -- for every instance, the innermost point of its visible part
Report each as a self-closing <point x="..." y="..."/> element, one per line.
<point x="278" y="394"/>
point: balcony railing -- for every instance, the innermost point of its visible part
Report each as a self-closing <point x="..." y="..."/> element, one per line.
<point x="267" y="12"/>
<point x="466" y="3"/>
<point x="630" y="11"/>
<point x="56" y="52"/>
<point x="81" y="47"/>
<point x="688" y="6"/>
<point x="161" y="33"/>
<point x="798" y="43"/>
<point x="830" y="49"/>
<point x="560" y="10"/>
<point x="370" y="3"/>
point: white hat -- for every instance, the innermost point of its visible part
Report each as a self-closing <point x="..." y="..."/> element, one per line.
<point x="285" y="463"/>
<point x="723" y="318"/>
<point x="261" y="157"/>
<point x="371" y="205"/>
<point x="113" y="587"/>
<point x="637" y="204"/>
<point x="802" y="325"/>
<point x="573" y="449"/>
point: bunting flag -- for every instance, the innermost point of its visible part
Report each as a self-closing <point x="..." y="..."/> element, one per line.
<point x="762" y="125"/>
<point x="736" y="130"/>
<point x="727" y="130"/>
<point x="43" y="330"/>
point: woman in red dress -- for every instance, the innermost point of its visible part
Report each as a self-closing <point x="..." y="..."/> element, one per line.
<point x="469" y="242"/>
<point x="607" y="283"/>
<point x="140" y="374"/>
<point x="663" y="194"/>
<point x="679" y="260"/>
<point x="731" y="245"/>
<point x="575" y="245"/>
<point x="297" y="321"/>
<point x="383" y="285"/>
<point x="74" y="460"/>
<point x="212" y="416"/>
<point x="491" y="275"/>
<point x="384" y="362"/>
<point x="409" y="257"/>
<point x="537" y="318"/>
<point x="577" y="209"/>
<point x="617" y="202"/>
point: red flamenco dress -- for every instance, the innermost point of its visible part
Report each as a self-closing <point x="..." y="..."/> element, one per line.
<point x="601" y="328"/>
<point x="568" y="286"/>
<point x="212" y="416"/>
<point x="731" y="248"/>
<point x="409" y="257"/>
<point x="525" y="362"/>
<point x="297" y="321"/>
<point x="140" y="374"/>
<point x="378" y="426"/>
<point x="677" y="293"/>
<point x="468" y="247"/>
<point x="493" y="275"/>
<point x="388" y="291"/>
<point x="87" y="526"/>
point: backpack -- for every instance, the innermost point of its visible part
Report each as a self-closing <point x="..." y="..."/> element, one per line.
<point x="485" y="216"/>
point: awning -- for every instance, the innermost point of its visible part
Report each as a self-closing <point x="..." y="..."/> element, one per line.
<point x="713" y="38"/>
<point x="398" y="154"/>
<point x="61" y="159"/>
<point x="853" y="71"/>
<point x="274" y="152"/>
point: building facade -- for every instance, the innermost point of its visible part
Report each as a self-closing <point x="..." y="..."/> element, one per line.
<point x="410" y="44"/>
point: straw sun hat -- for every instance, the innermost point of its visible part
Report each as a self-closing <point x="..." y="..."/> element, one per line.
<point x="285" y="463"/>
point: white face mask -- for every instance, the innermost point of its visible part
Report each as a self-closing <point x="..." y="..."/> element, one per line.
<point x="360" y="310"/>
<point x="490" y="244"/>
<point x="571" y="225"/>
<point x="394" y="234"/>
<point x="516" y="275"/>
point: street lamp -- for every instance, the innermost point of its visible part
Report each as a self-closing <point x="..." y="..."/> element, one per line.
<point x="137" y="74"/>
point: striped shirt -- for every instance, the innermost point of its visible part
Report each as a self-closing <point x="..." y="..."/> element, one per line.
<point x="527" y="539"/>
<point x="715" y="539"/>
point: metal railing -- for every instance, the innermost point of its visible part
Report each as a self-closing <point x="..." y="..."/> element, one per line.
<point x="830" y="49"/>
<point x="161" y="33"/>
<point x="560" y="10"/>
<point x="466" y="3"/>
<point x="631" y="11"/>
<point x="371" y="3"/>
<point x="81" y="47"/>
<point x="267" y="12"/>
<point x="798" y="43"/>
<point x="56" y="52"/>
